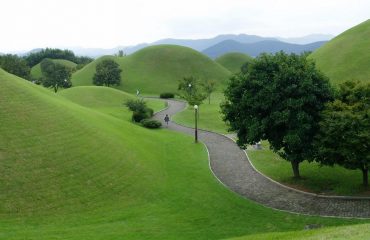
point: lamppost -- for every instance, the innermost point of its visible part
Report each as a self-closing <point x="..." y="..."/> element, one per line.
<point x="196" y="122"/>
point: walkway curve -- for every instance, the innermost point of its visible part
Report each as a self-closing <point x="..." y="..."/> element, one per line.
<point x="231" y="166"/>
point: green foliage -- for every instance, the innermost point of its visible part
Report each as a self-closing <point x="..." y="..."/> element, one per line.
<point x="15" y="65"/>
<point x="209" y="87"/>
<point x="139" y="109"/>
<point x="54" y="53"/>
<point x="344" y="137"/>
<point x="151" y="123"/>
<point x="347" y="56"/>
<point x="279" y="100"/>
<point x="158" y="69"/>
<point x="107" y="73"/>
<point x="190" y="91"/>
<point x="36" y="70"/>
<point x="55" y="75"/>
<point x="167" y="95"/>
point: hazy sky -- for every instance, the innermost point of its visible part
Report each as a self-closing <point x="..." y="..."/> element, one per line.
<point x="27" y="24"/>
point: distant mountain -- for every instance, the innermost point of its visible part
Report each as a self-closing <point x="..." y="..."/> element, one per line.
<point x="307" y="39"/>
<point x="254" y="49"/>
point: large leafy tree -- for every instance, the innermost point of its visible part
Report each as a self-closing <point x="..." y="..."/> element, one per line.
<point x="189" y="89"/>
<point x="55" y="75"/>
<point x="15" y="65"/>
<point x="278" y="98"/>
<point x="344" y="136"/>
<point x="107" y="73"/>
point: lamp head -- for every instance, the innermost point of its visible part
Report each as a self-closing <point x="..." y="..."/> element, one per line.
<point x="195" y="107"/>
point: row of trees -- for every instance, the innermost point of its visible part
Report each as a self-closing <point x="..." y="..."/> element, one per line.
<point x="284" y="99"/>
<point x="15" y="65"/>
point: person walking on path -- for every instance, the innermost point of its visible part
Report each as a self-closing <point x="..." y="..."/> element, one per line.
<point x="167" y="119"/>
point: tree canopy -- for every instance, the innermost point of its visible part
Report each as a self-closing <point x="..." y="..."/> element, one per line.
<point x="344" y="136"/>
<point x="189" y="89"/>
<point x="15" y="65"/>
<point x="107" y="73"/>
<point x="55" y="75"/>
<point x="279" y="98"/>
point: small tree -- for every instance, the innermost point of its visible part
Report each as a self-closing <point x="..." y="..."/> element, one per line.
<point x="208" y="87"/>
<point x="189" y="90"/>
<point x="139" y="109"/>
<point x="107" y="73"/>
<point x="55" y="75"/>
<point x="279" y="99"/>
<point x="344" y="136"/>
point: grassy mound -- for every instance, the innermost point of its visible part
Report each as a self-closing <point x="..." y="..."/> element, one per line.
<point x="157" y="69"/>
<point x="233" y="61"/>
<point x="347" y="56"/>
<point x="71" y="171"/>
<point x="36" y="70"/>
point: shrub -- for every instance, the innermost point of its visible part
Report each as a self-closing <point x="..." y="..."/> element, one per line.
<point x="138" y="116"/>
<point x="139" y="109"/>
<point x="150" y="123"/>
<point x="167" y="95"/>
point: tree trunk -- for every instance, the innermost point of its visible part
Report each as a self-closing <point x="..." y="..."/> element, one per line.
<point x="295" y="167"/>
<point x="365" y="179"/>
<point x="209" y="99"/>
<point x="56" y="88"/>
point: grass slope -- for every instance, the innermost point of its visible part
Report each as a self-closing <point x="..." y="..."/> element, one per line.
<point x="347" y="56"/>
<point x="36" y="70"/>
<point x="233" y="61"/>
<point x="157" y="69"/>
<point x="74" y="172"/>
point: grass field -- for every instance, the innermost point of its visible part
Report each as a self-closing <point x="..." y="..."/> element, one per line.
<point x="324" y="180"/>
<point x="347" y="56"/>
<point x="233" y="61"/>
<point x="71" y="171"/>
<point x="36" y="70"/>
<point x="158" y="69"/>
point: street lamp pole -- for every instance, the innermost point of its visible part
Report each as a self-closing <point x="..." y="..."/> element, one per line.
<point x="196" y="122"/>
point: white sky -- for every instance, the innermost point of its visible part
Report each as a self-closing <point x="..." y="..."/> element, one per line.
<point x="28" y="24"/>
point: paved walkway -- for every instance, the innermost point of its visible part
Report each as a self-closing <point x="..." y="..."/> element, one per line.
<point x="232" y="167"/>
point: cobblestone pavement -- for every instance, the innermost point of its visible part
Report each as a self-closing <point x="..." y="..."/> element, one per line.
<point x="232" y="167"/>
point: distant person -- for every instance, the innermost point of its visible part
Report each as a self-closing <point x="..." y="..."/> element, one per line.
<point x="167" y="119"/>
<point x="137" y="92"/>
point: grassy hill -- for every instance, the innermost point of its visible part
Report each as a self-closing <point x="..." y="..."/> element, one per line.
<point x="233" y="61"/>
<point x="69" y="170"/>
<point x="36" y="70"/>
<point x="157" y="69"/>
<point x="347" y="56"/>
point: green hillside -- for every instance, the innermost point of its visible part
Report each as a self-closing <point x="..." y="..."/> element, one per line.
<point x="36" y="70"/>
<point x="346" y="57"/>
<point x="158" y="69"/>
<point x="233" y="61"/>
<point x="71" y="171"/>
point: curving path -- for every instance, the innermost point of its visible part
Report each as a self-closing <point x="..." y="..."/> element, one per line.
<point x="231" y="166"/>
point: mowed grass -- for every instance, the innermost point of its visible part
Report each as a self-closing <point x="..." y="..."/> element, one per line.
<point x="210" y="117"/>
<point x="233" y="61"/>
<point x="315" y="178"/>
<point x="36" y="70"/>
<point x="73" y="172"/>
<point x="157" y="69"/>
<point x="347" y="56"/>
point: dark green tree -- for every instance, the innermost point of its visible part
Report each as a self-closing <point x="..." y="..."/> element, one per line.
<point x="190" y="91"/>
<point x="15" y="65"/>
<point x="279" y="99"/>
<point x="55" y="75"/>
<point x="344" y="136"/>
<point x="209" y="87"/>
<point x="107" y="73"/>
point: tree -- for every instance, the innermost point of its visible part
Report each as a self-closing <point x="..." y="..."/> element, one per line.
<point x="55" y="75"/>
<point x="279" y="99"/>
<point x="190" y="91"/>
<point x="344" y="136"/>
<point x="107" y="73"/>
<point x="15" y="65"/>
<point x="208" y="87"/>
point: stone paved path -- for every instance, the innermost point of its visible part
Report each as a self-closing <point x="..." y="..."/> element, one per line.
<point x="232" y="167"/>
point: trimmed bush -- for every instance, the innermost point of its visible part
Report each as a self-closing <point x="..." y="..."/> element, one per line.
<point x="150" y="123"/>
<point x="139" y="109"/>
<point x="167" y="95"/>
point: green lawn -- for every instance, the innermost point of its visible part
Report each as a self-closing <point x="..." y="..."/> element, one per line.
<point x="210" y="117"/>
<point x="317" y="179"/>
<point x="71" y="171"/>
<point x="233" y="61"/>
